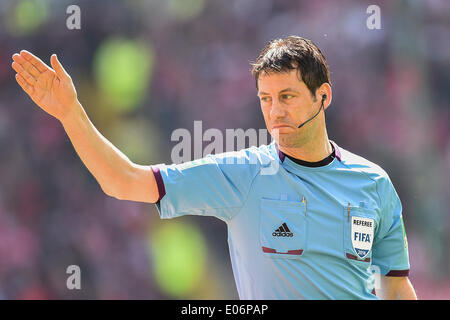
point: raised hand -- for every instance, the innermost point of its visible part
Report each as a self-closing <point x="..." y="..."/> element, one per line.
<point x="51" y="89"/>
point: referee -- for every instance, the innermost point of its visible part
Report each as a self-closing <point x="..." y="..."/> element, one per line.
<point x="306" y="218"/>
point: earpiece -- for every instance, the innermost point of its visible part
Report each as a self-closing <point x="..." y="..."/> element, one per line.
<point x="324" y="97"/>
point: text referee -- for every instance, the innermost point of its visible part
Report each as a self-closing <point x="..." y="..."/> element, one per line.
<point x="306" y="218"/>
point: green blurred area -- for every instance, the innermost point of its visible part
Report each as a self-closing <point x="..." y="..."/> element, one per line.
<point x="179" y="255"/>
<point x="123" y="70"/>
<point x="27" y="16"/>
<point x="185" y="10"/>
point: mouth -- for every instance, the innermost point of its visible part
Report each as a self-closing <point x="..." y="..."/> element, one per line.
<point x="280" y="126"/>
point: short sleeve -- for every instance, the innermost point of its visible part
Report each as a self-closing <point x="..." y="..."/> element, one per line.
<point x="390" y="251"/>
<point x="216" y="185"/>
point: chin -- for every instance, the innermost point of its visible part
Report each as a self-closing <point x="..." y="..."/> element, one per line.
<point x="288" y="140"/>
<point x="284" y="140"/>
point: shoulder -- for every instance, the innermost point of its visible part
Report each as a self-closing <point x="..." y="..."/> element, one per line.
<point x="253" y="156"/>
<point x="237" y="166"/>
<point x="368" y="170"/>
<point x="357" y="163"/>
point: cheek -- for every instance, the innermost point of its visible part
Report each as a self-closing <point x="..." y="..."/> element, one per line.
<point x="298" y="110"/>
<point x="266" y="114"/>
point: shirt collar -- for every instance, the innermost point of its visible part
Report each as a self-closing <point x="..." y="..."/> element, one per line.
<point x="337" y="152"/>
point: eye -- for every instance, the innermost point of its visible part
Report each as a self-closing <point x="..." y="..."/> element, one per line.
<point x="265" y="99"/>
<point x="287" y="96"/>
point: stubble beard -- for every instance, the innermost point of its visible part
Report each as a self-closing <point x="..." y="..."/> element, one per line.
<point x="295" y="139"/>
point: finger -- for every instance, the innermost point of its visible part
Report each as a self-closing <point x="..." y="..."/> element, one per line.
<point x="57" y="66"/>
<point x="35" y="61"/>
<point x="27" y="66"/>
<point x="23" y="73"/>
<point x="25" y="86"/>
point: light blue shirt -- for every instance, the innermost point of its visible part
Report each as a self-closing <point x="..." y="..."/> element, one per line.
<point x="294" y="232"/>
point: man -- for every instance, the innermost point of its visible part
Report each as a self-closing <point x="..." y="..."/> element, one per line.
<point x="306" y="218"/>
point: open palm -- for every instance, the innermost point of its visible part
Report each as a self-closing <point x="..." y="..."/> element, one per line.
<point x="51" y="89"/>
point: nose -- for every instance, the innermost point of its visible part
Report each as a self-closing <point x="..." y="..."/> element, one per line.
<point x="277" y="111"/>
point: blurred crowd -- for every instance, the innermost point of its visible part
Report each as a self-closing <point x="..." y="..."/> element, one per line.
<point x="189" y="60"/>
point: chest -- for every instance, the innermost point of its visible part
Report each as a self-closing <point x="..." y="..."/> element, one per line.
<point x="292" y="217"/>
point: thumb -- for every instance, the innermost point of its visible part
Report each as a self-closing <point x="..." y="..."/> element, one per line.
<point x="57" y="66"/>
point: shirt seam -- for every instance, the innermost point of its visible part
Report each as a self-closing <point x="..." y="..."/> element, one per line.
<point x="246" y="198"/>
<point x="389" y="269"/>
<point x="398" y="273"/>
<point x="376" y="184"/>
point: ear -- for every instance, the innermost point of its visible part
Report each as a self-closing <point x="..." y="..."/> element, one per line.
<point x="325" y="91"/>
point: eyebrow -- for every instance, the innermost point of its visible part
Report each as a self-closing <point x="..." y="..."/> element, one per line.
<point x="284" y="90"/>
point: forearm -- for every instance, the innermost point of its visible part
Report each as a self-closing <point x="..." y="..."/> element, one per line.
<point x="107" y="164"/>
<point x="393" y="288"/>
<point x="404" y="292"/>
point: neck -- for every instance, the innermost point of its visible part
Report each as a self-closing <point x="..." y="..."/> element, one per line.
<point x="312" y="151"/>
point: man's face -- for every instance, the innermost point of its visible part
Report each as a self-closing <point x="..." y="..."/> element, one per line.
<point x="286" y="102"/>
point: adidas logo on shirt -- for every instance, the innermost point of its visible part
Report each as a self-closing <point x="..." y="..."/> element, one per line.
<point x="283" y="231"/>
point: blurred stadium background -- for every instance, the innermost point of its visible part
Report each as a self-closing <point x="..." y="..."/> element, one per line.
<point x="145" y="68"/>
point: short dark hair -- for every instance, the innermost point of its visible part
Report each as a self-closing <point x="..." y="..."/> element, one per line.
<point x="293" y="52"/>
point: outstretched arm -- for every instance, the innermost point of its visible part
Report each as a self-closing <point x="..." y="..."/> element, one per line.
<point x="53" y="91"/>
